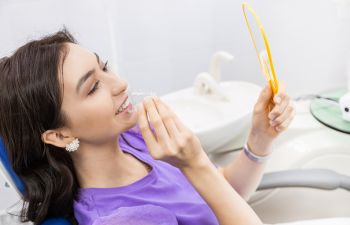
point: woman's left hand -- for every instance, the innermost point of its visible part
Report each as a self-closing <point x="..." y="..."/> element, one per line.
<point x="266" y="124"/>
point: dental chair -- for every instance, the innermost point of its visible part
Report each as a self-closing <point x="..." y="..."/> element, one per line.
<point x="16" y="181"/>
<point x="323" y="179"/>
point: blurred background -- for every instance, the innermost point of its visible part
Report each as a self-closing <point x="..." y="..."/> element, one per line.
<point x="162" y="45"/>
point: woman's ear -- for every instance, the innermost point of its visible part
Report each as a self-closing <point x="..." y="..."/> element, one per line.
<point x="57" y="138"/>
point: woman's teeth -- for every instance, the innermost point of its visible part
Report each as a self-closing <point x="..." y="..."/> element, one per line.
<point x="123" y="106"/>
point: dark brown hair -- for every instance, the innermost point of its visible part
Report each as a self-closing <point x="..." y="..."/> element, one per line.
<point x="30" y="103"/>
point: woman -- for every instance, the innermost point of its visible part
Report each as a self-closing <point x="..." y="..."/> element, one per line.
<point x="66" y="122"/>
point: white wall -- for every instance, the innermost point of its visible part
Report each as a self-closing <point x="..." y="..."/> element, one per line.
<point x="162" y="45"/>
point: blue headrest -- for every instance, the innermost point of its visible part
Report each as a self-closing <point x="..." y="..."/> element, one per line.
<point x="6" y="163"/>
<point x="56" y="221"/>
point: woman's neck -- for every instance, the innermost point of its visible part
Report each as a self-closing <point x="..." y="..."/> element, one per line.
<point x="104" y="166"/>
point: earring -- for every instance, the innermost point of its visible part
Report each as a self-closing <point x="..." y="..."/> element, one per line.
<point x="73" y="146"/>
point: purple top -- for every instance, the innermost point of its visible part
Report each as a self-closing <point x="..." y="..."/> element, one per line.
<point x="163" y="197"/>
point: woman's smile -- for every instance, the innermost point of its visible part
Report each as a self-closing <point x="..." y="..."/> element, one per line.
<point x="126" y="106"/>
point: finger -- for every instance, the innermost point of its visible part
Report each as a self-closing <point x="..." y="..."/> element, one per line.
<point x="283" y="126"/>
<point x="180" y="126"/>
<point x="264" y="98"/>
<point x="288" y="112"/>
<point x="167" y="118"/>
<point x="279" y="108"/>
<point x="281" y="91"/>
<point x="145" y="129"/>
<point x="155" y="120"/>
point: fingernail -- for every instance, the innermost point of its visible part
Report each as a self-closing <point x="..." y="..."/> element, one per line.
<point x="277" y="99"/>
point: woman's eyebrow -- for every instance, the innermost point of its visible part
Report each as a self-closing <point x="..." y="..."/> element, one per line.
<point x="87" y="75"/>
<point x="97" y="58"/>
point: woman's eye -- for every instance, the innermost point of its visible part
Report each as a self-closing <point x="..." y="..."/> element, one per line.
<point x="105" y="67"/>
<point x="95" y="87"/>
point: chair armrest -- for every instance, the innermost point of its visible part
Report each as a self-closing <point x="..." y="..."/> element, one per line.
<point x="310" y="178"/>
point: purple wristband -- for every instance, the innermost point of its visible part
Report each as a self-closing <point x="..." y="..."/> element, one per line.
<point x="253" y="157"/>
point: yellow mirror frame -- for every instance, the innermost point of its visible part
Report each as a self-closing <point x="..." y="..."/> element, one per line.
<point x="265" y="57"/>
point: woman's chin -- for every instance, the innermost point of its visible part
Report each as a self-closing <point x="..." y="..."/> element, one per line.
<point x="131" y="121"/>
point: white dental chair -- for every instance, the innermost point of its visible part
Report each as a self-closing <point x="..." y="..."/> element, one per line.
<point x="328" y="221"/>
<point x="310" y="178"/>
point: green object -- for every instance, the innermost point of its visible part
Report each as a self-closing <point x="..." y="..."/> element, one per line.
<point x="328" y="113"/>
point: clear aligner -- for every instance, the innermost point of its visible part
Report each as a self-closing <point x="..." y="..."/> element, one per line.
<point x="137" y="97"/>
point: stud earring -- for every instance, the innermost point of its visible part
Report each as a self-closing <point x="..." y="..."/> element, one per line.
<point x="73" y="146"/>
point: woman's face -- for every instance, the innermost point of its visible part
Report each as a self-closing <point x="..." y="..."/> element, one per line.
<point x="93" y="98"/>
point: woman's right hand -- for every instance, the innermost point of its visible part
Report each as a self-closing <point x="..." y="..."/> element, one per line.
<point x="172" y="142"/>
<point x="169" y="140"/>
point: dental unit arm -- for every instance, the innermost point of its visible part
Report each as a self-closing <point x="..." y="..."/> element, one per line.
<point x="307" y="178"/>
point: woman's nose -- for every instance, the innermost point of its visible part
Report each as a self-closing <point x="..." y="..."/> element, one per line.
<point x="119" y="87"/>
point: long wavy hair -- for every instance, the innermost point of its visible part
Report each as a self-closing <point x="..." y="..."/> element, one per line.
<point x="30" y="103"/>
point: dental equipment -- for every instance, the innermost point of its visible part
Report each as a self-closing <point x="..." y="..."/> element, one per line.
<point x="332" y="109"/>
<point x="137" y="97"/>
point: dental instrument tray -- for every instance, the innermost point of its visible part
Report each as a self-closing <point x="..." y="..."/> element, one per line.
<point x="329" y="113"/>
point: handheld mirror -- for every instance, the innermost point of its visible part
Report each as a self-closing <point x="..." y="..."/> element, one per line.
<point x="261" y="45"/>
